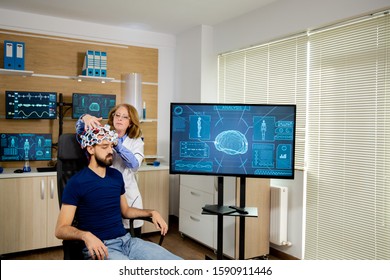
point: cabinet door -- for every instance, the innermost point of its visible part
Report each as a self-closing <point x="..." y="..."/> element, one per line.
<point x="154" y="188"/>
<point x="53" y="210"/>
<point x="23" y="208"/>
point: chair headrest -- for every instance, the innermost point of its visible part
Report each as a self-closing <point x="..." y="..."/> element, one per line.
<point x="69" y="148"/>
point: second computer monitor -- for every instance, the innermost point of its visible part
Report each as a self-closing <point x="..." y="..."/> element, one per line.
<point x="95" y="104"/>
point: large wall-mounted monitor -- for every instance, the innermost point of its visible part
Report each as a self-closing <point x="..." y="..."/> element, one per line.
<point x="98" y="105"/>
<point x="242" y="140"/>
<point x="30" y="105"/>
<point x="22" y="146"/>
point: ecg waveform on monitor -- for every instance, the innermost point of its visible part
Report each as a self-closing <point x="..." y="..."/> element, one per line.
<point x="29" y="96"/>
<point x="31" y="105"/>
<point x="29" y="115"/>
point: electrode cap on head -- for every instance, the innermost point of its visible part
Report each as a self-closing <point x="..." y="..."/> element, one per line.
<point x="97" y="135"/>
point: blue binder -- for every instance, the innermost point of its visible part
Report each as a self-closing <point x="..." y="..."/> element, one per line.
<point x="9" y="55"/>
<point x="19" y="55"/>
<point x="88" y="66"/>
<point x="103" y="64"/>
<point x="97" y="63"/>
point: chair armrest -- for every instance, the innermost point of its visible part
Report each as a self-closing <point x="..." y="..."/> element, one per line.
<point x="147" y="219"/>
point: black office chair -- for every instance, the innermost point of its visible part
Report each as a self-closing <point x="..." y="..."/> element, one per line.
<point x="70" y="160"/>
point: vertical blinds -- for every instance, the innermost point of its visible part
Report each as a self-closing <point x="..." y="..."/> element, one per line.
<point x="348" y="174"/>
<point x="339" y="78"/>
<point x="273" y="73"/>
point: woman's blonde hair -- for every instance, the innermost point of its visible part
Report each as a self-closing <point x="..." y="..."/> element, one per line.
<point x="134" y="130"/>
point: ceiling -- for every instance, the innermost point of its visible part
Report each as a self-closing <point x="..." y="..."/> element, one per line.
<point x="164" y="16"/>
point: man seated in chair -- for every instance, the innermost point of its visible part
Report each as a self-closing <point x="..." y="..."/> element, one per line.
<point x="97" y="193"/>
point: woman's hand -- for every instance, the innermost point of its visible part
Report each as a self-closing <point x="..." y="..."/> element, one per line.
<point x="91" y="122"/>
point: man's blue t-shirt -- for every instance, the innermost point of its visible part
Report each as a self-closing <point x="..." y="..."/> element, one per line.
<point x="98" y="202"/>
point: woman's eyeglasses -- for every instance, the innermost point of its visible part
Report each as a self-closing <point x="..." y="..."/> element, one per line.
<point x="118" y="116"/>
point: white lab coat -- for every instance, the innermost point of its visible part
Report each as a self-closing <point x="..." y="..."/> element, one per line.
<point x="134" y="199"/>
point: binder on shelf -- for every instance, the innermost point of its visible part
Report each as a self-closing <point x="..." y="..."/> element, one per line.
<point x="103" y="64"/>
<point x="19" y="55"/>
<point x="97" y="63"/>
<point x="88" y="66"/>
<point x="9" y="55"/>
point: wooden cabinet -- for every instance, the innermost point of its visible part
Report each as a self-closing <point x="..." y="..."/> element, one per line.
<point x="256" y="229"/>
<point x="28" y="213"/>
<point x="154" y="188"/>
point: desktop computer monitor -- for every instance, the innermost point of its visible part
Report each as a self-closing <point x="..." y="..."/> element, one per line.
<point x="30" y="105"/>
<point x="25" y="146"/>
<point x="98" y="105"/>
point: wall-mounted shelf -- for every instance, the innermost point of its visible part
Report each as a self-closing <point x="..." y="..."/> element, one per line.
<point x="147" y="120"/>
<point x="103" y="80"/>
<point x="153" y="157"/>
<point x="12" y="72"/>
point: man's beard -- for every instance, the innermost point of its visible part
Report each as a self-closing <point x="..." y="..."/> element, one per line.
<point x="106" y="162"/>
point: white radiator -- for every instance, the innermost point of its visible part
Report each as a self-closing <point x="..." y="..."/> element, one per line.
<point x="278" y="216"/>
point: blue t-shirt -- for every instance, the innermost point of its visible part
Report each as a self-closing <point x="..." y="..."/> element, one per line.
<point x="98" y="202"/>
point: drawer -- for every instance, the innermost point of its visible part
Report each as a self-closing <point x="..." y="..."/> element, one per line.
<point x="203" y="183"/>
<point x="193" y="200"/>
<point x="199" y="227"/>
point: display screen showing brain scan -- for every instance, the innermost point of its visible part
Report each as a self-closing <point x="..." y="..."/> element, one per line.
<point x="98" y="105"/>
<point x="233" y="140"/>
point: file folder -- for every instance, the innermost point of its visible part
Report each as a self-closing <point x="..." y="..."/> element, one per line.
<point x="88" y="66"/>
<point x="103" y="64"/>
<point x="97" y="63"/>
<point x="19" y="55"/>
<point x="9" y="55"/>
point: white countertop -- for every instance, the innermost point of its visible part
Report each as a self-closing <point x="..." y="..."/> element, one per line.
<point x="9" y="172"/>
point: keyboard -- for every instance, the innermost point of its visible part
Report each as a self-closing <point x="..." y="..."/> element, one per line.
<point x="46" y="169"/>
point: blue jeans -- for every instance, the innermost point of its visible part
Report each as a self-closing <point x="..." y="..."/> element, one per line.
<point x="130" y="248"/>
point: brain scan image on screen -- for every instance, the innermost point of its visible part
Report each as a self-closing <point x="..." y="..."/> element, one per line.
<point x="231" y="142"/>
<point x="95" y="104"/>
<point x="232" y="139"/>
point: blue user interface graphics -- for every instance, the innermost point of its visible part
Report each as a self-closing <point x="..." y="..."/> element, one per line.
<point x="233" y="140"/>
<point x="95" y="104"/>
<point x="30" y="105"/>
<point x="25" y="146"/>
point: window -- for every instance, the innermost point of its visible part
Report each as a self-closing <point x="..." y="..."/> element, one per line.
<point x="348" y="174"/>
<point x="273" y="73"/>
<point x="339" y="78"/>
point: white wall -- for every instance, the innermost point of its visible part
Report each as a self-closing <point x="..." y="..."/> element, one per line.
<point x="295" y="216"/>
<point x="285" y="17"/>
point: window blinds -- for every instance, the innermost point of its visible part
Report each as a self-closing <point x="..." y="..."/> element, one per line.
<point x="348" y="174"/>
<point x="339" y="78"/>
<point x="273" y="73"/>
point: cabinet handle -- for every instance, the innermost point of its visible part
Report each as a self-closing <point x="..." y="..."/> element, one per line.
<point x="195" y="194"/>
<point x="194" y="219"/>
<point x="51" y="188"/>
<point x="42" y="189"/>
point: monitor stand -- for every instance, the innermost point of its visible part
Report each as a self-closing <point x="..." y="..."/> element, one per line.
<point x="221" y="210"/>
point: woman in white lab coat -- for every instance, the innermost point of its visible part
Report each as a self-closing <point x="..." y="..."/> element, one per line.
<point x="128" y="153"/>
